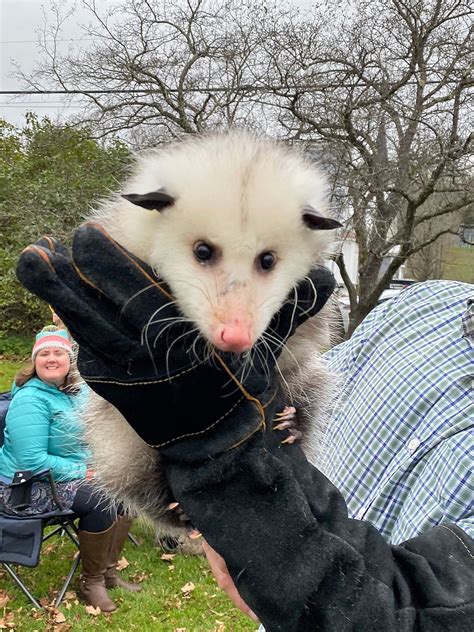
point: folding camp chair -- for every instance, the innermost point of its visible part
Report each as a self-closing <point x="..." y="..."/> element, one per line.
<point x="21" y="537"/>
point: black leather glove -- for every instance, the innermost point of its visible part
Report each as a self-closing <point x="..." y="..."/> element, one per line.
<point x="140" y="354"/>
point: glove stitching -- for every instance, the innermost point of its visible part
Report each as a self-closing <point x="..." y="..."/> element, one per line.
<point x="261" y="426"/>
<point x="460" y="540"/>
<point x="118" y="383"/>
<point x="127" y="255"/>
<point x="198" y="432"/>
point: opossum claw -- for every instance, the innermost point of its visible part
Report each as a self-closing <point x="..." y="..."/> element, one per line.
<point x="294" y="435"/>
<point x="194" y="534"/>
<point x="288" y="411"/>
<point x="283" y="425"/>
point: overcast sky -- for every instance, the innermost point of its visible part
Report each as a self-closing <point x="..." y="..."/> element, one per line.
<point x="21" y="21"/>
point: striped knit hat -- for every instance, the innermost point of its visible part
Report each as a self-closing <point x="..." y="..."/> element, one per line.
<point x="51" y="337"/>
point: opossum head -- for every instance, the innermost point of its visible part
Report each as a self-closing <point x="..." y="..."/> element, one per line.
<point x="232" y="223"/>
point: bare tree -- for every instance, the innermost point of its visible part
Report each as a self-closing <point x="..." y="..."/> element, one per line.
<point x="388" y="86"/>
<point x="161" y="68"/>
<point x="379" y="90"/>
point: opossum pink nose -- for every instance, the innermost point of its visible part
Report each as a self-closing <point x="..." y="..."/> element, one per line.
<point x="234" y="338"/>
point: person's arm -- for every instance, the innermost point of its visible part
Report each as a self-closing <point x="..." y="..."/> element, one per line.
<point x="300" y="563"/>
<point x="296" y="558"/>
<point x="29" y="425"/>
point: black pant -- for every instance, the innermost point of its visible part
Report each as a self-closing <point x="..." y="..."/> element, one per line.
<point x="95" y="513"/>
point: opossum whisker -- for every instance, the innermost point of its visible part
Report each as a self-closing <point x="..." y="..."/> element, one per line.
<point x="144" y="335"/>
<point x="202" y="289"/>
<point x="282" y="345"/>
<point x="293" y="314"/>
<point x="168" y="328"/>
<point x="306" y="311"/>
<point x="176" y="319"/>
<point x="192" y="347"/>
<point x="144" y="289"/>
<point x="282" y="377"/>
<point x="186" y="333"/>
<point x="264" y="359"/>
<point x="144" y="331"/>
<point x="194" y="350"/>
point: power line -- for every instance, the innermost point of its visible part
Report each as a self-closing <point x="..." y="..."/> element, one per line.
<point x="47" y="40"/>
<point x="40" y="104"/>
<point x="241" y="88"/>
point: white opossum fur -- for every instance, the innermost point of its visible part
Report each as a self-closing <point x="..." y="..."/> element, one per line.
<point x="244" y="196"/>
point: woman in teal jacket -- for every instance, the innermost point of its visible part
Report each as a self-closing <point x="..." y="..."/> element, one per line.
<point x="43" y="433"/>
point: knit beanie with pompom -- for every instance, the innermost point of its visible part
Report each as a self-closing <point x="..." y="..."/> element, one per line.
<point x="52" y="337"/>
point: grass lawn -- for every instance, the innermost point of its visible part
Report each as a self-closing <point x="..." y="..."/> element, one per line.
<point x="179" y="594"/>
<point x="459" y="264"/>
<point x="164" y="605"/>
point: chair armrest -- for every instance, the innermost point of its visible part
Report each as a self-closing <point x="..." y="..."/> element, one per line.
<point x="21" y="488"/>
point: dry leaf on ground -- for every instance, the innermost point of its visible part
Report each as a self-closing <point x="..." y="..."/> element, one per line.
<point x="167" y="557"/>
<point x="187" y="588"/>
<point x="59" y="617"/>
<point x="122" y="563"/>
<point x="93" y="611"/>
<point x="4" y="598"/>
<point x="7" y="622"/>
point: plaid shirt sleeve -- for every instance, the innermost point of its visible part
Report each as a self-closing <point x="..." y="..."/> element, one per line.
<point x="400" y="444"/>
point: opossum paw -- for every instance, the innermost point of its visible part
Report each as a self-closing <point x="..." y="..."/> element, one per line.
<point x="176" y="508"/>
<point x="287" y="420"/>
<point x="293" y="435"/>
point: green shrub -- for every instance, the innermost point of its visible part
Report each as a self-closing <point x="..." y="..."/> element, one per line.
<point x="15" y="347"/>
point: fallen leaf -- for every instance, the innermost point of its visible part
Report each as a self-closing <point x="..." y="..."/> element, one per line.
<point x="93" y="611"/>
<point x="139" y="577"/>
<point x="49" y="548"/>
<point x="70" y="594"/>
<point x="59" y="617"/>
<point x="122" y="563"/>
<point x="171" y="567"/>
<point x="7" y="621"/>
<point x="37" y="614"/>
<point x="167" y="557"/>
<point x="4" y="598"/>
<point x="187" y="588"/>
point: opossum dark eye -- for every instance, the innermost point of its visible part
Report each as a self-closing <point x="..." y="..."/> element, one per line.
<point x="203" y="252"/>
<point x="266" y="261"/>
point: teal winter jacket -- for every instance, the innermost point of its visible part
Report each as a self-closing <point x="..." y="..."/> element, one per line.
<point x="43" y="432"/>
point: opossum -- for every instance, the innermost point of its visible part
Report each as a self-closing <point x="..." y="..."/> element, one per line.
<point x="232" y="222"/>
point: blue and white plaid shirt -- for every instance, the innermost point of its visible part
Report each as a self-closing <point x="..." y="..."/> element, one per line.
<point x="400" y="444"/>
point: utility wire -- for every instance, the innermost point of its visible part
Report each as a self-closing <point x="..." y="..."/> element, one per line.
<point x="241" y="88"/>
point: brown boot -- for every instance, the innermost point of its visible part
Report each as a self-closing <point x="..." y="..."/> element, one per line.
<point x="112" y="577"/>
<point x="94" y="549"/>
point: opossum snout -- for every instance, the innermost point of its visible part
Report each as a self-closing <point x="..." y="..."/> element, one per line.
<point x="234" y="337"/>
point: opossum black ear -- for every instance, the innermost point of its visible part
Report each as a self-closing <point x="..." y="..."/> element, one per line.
<point x="154" y="201"/>
<point x="314" y="220"/>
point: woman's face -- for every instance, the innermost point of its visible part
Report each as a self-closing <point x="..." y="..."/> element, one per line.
<point x="52" y="365"/>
